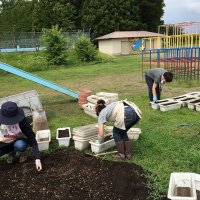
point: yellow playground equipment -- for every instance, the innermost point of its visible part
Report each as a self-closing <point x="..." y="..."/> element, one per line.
<point x="177" y="49"/>
<point x="185" y="34"/>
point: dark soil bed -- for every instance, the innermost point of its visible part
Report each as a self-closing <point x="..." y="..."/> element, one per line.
<point x="70" y="174"/>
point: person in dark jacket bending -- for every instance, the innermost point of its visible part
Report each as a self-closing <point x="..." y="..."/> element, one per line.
<point x="155" y="78"/>
<point x="17" y="134"/>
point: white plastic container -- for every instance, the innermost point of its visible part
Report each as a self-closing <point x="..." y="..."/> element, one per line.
<point x="181" y="184"/>
<point x="156" y="105"/>
<point x="181" y="97"/>
<point x="194" y="94"/>
<point x="43" y="138"/>
<point x="192" y="104"/>
<point x="198" y="107"/>
<point x="197" y="181"/>
<point x="108" y="129"/>
<point x="170" y="106"/>
<point x="94" y="98"/>
<point x="90" y="113"/>
<point x="84" y="135"/>
<point x="63" y="141"/>
<point x="133" y="136"/>
<point x="134" y="133"/>
<point x="107" y="94"/>
<point x="185" y="101"/>
<point x="97" y="148"/>
<point x="81" y="144"/>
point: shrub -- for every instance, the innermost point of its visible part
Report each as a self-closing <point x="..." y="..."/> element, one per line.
<point x="85" y="50"/>
<point x="56" y="45"/>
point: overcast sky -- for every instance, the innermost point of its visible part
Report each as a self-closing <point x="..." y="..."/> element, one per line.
<point x="181" y="11"/>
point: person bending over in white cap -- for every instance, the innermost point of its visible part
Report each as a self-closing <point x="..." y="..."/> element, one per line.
<point x="17" y="134"/>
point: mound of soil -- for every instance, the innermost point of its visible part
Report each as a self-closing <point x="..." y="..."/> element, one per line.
<point x="71" y="174"/>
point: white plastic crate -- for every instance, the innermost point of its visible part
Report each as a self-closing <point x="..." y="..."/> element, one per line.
<point x="181" y="184"/>
<point x="43" y="138"/>
<point x="63" y="141"/>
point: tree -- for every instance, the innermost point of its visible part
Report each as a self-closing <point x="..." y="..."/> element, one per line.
<point x="56" y="45"/>
<point x="56" y="12"/>
<point x="78" y="5"/>
<point x="151" y="12"/>
<point x="106" y="16"/>
<point x="17" y="14"/>
<point x="85" y="50"/>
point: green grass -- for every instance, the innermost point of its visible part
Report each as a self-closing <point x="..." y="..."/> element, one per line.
<point x="164" y="146"/>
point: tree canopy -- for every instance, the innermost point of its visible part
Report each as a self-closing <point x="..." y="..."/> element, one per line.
<point x="101" y="16"/>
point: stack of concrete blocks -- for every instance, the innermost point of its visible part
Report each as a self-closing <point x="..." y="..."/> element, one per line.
<point x="89" y="108"/>
<point x="83" y="134"/>
<point x="190" y="100"/>
<point x="133" y="133"/>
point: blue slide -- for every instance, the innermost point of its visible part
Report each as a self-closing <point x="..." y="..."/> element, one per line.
<point x="37" y="79"/>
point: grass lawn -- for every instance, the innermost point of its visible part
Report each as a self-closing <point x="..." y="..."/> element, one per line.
<point x="164" y="146"/>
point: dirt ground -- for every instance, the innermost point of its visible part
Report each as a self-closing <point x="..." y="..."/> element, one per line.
<point x="71" y="174"/>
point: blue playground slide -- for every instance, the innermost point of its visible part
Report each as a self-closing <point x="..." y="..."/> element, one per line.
<point x="37" y="79"/>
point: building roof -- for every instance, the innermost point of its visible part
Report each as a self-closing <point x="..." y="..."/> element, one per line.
<point x="128" y="34"/>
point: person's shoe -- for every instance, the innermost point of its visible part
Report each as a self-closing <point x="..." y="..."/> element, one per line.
<point x="23" y="157"/>
<point x="118" y="156"/>
<point x="11" y="158"/>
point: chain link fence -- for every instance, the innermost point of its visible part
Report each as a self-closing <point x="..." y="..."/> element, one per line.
<point x="32" y="41"/>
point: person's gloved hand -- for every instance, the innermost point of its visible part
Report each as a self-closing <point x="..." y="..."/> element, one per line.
<point x="155" y="98"/>
<point x="100" y="140"/>
<point x="38" y="164"/>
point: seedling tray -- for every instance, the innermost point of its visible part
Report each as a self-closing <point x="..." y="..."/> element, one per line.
<point x="63" y="141"/>
<point x="182" y="187"/>
<point x="97" y="148"/>
<point x="170" y="106"/>
<point x="156" y="105"/>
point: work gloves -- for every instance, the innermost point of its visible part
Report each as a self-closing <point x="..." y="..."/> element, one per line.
<point x="100" y="139"/>
<point x="38" y="165"/>
<point x="155" y="99"/>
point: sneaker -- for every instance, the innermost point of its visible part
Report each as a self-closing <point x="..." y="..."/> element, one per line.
<point x="11" y="158"/>
<point x="23" y="157"/>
